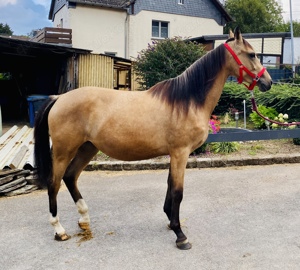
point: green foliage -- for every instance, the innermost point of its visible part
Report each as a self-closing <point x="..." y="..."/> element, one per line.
<point x="286" y="27"/>
<point x="5" y="29"/>
<point x="282" y="97"/>
<point x="296" y="141"/>
<point x="200" y="150"/>
<point x="5" y="76"/>
<point x="259" y="122"/>
<point x="232" y="97"/>
<point x="224" y="147"/>
<point x="165" y="59"/>
<point x="254" y="16"/>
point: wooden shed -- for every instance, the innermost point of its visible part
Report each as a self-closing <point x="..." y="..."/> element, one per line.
<point x="30" y="68"/>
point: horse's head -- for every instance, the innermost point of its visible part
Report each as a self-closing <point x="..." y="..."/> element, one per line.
<point x="244" y="64"/>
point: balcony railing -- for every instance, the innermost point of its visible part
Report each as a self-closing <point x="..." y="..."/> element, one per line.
<point x="54" y="36"/>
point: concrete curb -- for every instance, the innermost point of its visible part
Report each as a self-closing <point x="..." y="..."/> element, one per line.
<point x="153" y="164"/>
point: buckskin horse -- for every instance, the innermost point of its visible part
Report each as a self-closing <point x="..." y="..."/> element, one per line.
<point x="171" y="118"/>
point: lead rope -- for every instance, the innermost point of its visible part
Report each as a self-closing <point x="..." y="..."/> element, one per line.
<point x="255" y="109"/>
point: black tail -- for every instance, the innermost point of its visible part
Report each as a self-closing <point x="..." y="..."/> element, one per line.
<point x="42" y="150"/>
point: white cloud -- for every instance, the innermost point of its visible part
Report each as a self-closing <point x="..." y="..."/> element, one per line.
<point x="45" y="3"/>
<point x="4" y="3"/>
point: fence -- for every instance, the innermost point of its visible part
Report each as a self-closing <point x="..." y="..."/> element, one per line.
<point x="242" y="135"/>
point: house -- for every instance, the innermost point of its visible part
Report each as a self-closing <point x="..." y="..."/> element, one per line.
<point x="123" y="28"/>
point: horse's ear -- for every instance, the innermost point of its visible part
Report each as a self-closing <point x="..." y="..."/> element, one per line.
<point x="231" y="35"/>
<point x="238" y="34"/>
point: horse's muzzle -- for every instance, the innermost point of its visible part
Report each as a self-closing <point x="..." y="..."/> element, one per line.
<point x="264" y="85"/>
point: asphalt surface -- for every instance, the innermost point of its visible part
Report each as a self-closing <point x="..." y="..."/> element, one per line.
<point x="235" y="217"/>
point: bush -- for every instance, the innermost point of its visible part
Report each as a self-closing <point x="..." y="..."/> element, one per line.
<point x="224" y="147"/>
<point x="296" y="141"/>
<point x="259" y="122"/>
<point x="201" y="149"/>
<point x="165" y="59"/>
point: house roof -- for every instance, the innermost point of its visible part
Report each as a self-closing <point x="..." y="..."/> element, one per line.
<point x="117" y="4"/>
<point x="105" y="3"/>
<point x="123" y="4"/>
<point x="222" y="10"/>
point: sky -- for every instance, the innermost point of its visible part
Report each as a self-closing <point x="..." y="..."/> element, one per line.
<point x="23" y="16"/>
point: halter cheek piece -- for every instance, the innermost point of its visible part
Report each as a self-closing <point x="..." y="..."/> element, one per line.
<point x="255" y="78"/>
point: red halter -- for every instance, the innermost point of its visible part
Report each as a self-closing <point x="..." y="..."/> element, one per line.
<point x="255" y="78"/>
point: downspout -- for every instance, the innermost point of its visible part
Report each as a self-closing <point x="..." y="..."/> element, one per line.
<point x="126" y="34"/>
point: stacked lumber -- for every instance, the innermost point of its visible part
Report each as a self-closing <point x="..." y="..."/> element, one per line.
<point x="17" y="174"/>
<point x="17" y="181"/>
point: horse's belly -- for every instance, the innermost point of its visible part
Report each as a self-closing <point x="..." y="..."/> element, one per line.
<point x="130" y="149"/>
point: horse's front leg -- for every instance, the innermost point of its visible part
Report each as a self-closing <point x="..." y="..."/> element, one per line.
<point x="174" y="197"/>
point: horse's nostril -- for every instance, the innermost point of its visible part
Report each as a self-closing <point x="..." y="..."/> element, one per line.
<point x="271" y="82"/>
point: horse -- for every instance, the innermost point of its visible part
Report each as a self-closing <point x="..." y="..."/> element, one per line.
<point x="171" y="118"/>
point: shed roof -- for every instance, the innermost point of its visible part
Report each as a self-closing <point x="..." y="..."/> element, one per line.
<point x="31" y="49"/>
<point x="209" y="38"/>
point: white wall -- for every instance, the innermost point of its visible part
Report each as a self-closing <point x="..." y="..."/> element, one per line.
<point x="62" y="14"/>
<point x="97" y="29"/>
<point x="140" y="28"/>
<point x="287" y="51"/>
<point x="108" y="30"/>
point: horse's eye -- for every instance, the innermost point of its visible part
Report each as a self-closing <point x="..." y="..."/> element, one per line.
<point x="252" y="55"/>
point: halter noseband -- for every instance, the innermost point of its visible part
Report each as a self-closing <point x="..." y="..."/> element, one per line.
<point x="255" y="78"/>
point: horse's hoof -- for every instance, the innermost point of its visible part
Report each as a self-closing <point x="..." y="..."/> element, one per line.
<point x="84" y="226"/>
<point x="184" y="245"/>
<point x="63" y="237"/>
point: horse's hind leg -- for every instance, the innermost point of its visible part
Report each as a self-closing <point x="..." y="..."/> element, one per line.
<point x="59" y="167"/>
<point x="84" y="154"/>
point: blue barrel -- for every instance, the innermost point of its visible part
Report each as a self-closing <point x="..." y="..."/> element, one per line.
<point x="35" y="102"/>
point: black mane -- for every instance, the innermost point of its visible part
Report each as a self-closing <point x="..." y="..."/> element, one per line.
<point x="194" y="83"/>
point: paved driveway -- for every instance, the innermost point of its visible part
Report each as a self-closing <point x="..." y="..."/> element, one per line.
<point x="236" y="218"/>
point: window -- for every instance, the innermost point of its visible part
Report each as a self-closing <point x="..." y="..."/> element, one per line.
<point x="110" y="53"/>
<point x="160" y="29"/>
<point x="181" y="2"/>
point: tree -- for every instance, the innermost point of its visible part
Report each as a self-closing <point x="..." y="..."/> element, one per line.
<point x="255" y="16"/>
<point x="165" y="59"/>
<point x="296" y="28"/>
<point x="5" y="29"/>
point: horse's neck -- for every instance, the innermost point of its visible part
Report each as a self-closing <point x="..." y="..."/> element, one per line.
<point x="215" y="92"/>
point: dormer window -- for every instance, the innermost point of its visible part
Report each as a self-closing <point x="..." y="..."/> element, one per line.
<point x="181" y="2"/>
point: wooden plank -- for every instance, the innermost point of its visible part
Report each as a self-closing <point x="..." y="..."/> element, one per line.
<point x="12" y="184"/>
<point x="58" y="35"/>
<point x="16" y="186"/>
<point x="23" y="190"/>
<point x="6" y="179"/>
<point x="8" y="172"/>
<point x="56" y="29"/>
<point x="14" y="175"/>
<point x="53" y="40"/>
